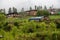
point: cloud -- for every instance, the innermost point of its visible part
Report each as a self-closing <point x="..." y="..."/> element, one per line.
<point x="27" y="3"/>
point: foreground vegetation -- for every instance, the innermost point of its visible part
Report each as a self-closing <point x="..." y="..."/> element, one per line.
<point x="22" y="29"/>
<point x="54" y="17"/>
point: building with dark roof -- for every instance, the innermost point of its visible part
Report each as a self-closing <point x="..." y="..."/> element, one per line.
<point x="13" y="15"/>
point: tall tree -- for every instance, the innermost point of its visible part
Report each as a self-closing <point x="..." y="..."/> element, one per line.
<point x="30" y="8"/>
<point x="23" y="13"/>
<point x="35" y="7"/>
<point x="10" y="11"/>
<point x="22" y="10"/>
<point x="45" y="8"/>
<point x="14" y="10"/>
<point x="4" y="10"/>
<point x="39" y="8"/>
<point x="51" y="7"/>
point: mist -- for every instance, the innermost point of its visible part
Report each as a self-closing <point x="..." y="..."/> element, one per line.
<point x="27" y="3"/>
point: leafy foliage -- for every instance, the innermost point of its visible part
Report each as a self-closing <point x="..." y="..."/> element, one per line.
<point x="2" y="20"/>
<point x="22" y="29"/>
<point x="42" y="12"/>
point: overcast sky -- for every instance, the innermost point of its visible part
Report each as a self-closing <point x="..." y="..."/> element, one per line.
<point x="27" y="3"/>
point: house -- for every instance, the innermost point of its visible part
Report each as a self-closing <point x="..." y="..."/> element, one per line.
<point x="53" y="11"/>
<point x="31" y="12"/>
<point x="58" y="11"/>
<point x="13" y="15"/>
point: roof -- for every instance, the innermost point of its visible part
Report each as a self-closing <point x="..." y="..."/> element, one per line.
<point x="36" y="18"/>
<point x="30" y="10"/>
<point x="12" y="13"/>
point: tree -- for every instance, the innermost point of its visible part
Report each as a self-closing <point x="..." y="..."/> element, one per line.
<point x="46" y="12"/>
<point x="39" y="13"/>
<point x="45" y="8"/>
<point x="2" y="19"/>
<point x="39" y="8"/>
<point x="14" y="10"/>
<point x="30" y="8"/>
<point x="4" y="11"/>
<point x="35" y="7"/>
<point x="42" y="12"/>
<point x="51" y="7"/>
<point x="22" y="10"/>
<point x="10" y="11"/>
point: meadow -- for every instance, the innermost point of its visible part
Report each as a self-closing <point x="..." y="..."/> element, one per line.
<point x="22" y="29"/>
<point x="54" y="16"/>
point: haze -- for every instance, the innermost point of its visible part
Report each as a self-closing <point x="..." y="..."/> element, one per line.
<point x="27" y="3"/>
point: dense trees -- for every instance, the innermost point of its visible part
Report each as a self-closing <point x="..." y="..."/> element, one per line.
<point x="45" y="8"/>
<point x="22" y="10"/>
<point x="12" y="10"/>
<point x="35" y="7"/>
<point x="42" y="12"/>
<point x="30" y="8"/>
<point x="2" y="20"/>
<point x="39" y="8"/>
<point x="21" y="29"/>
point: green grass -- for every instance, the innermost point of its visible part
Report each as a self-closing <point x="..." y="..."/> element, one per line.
<point x="24" y="28"/>
<point x="54" y="16"/>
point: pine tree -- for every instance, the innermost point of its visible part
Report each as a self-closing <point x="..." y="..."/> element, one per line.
<point x="35" y="7"/>
<point x="4" y="11"/>
<point x="22" y="10"/>
<point x="10" y="11"/>
<point x="45" y="8"/>
<point x="30" y="8"/>
<point x="14" y="10"/>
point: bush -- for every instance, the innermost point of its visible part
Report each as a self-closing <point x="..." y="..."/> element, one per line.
<point x="42" y="12"/>
<point x="57" y="23"/>
<point x="16" y="24"/>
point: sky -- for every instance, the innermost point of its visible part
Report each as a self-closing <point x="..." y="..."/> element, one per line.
<point x="19" y="4"/>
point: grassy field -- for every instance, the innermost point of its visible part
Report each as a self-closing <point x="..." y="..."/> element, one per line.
<point x="22" y="29"/>
<point x="54" y="16"/>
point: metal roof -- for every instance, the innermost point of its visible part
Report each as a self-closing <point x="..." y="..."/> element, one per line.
<point x="36" y="18"/>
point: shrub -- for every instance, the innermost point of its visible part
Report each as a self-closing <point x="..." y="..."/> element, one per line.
<point x="42" y="12"/>
<point x="16" y="24"/>
<point x="57" y="23"/>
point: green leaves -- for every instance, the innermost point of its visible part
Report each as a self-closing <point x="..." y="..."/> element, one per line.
<point x="2" y="20"/>
<point x="42" y="12"/>
<point x="21" y="29"/>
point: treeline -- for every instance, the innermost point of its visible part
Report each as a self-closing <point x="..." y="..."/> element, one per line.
<point x="13" y="9"/>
